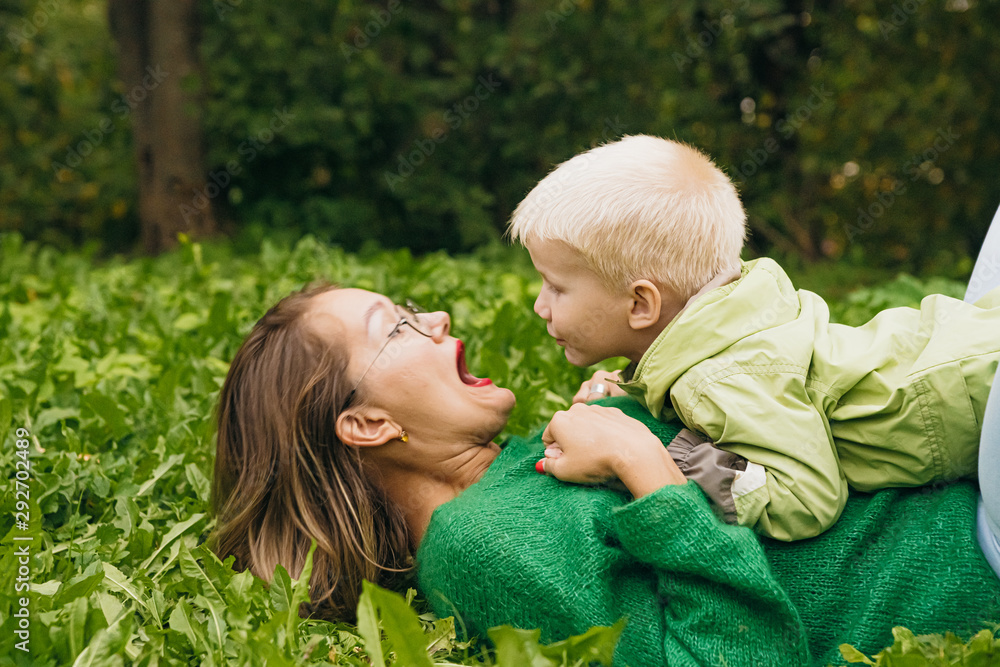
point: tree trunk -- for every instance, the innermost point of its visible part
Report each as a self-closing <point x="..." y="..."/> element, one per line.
<point x="157" y="52"/>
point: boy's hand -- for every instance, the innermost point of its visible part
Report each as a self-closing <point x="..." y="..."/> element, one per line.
<point x="601" y="385"/>
<point x="591" y="444"/>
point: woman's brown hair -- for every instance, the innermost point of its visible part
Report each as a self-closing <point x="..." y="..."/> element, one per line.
<point x="283" y="477"/>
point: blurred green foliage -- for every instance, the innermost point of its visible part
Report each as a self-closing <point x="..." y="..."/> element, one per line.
<point x="109" y="376"/>
<point x="858" y="130"/>
<point x="932" y="650"/>
<point x="114" y="371"/>
<point x="60" y="104"/>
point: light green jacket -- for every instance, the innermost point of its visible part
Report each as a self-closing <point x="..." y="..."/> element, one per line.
<point x="757" y="367"/>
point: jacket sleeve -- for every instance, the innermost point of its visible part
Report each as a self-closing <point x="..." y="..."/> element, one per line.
<point x="707" y="571"/>
<point x="713" y="469"/>
<point x="793" y="487"/>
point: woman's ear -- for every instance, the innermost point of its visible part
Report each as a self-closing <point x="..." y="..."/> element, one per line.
<point x="358" y="428"/>
<point x="646" y="303"/>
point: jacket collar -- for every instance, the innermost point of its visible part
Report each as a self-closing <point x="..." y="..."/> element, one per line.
<point x="732" y="306"/>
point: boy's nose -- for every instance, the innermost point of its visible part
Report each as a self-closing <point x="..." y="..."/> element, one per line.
<point x="541" y="309"/>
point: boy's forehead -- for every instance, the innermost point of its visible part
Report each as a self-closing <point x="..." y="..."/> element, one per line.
<point x="555" y="255"/>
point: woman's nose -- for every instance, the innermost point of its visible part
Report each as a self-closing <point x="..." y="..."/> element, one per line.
<point x="442" y="325"/>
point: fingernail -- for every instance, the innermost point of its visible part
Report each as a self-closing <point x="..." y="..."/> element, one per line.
<point x="553" y="452"/>
<point x="540" y="466"/>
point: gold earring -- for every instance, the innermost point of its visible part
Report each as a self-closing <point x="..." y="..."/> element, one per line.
<point x="403" y="436"/>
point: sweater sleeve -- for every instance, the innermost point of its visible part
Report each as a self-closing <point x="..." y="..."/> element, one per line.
<point x="793" y="487"/>
<point x="707" y="571"/>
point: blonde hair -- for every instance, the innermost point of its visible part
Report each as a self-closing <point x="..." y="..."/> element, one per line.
<point x="639" y="208"/>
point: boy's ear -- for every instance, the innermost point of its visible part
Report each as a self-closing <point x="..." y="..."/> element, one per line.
<point x="646" y="304"/>
<point x="359" y="428"/>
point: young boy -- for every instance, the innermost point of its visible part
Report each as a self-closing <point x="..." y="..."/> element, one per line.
<point x="638" y="244"/>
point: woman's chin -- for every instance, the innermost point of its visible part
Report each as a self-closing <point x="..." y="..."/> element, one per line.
<point x="504" y="403"/>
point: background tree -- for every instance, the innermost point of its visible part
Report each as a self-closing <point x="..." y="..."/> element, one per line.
<point x="158" y="61"/>
<point x="859" y="131"/>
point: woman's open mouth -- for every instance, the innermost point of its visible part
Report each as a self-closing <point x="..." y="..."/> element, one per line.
<point x="463" y="370"/>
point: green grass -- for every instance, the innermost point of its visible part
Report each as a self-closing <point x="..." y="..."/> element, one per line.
<point x="108" y="380"/>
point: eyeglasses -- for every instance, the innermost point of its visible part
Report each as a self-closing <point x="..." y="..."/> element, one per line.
<point x="413" y="316"/>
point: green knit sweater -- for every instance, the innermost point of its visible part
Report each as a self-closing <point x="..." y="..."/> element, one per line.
<point x="527" y="550"/>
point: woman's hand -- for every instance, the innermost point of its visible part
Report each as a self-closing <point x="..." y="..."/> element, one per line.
<point x="601" y="385"/>
<point x="591" y="444"/>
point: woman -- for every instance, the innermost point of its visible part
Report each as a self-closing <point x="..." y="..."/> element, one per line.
<point x="353" y="421"/>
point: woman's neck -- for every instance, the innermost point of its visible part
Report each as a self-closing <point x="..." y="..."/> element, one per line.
<point x="418" y="493"/>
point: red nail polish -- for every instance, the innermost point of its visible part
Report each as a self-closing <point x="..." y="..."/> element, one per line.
<point x="540" y="466"/>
